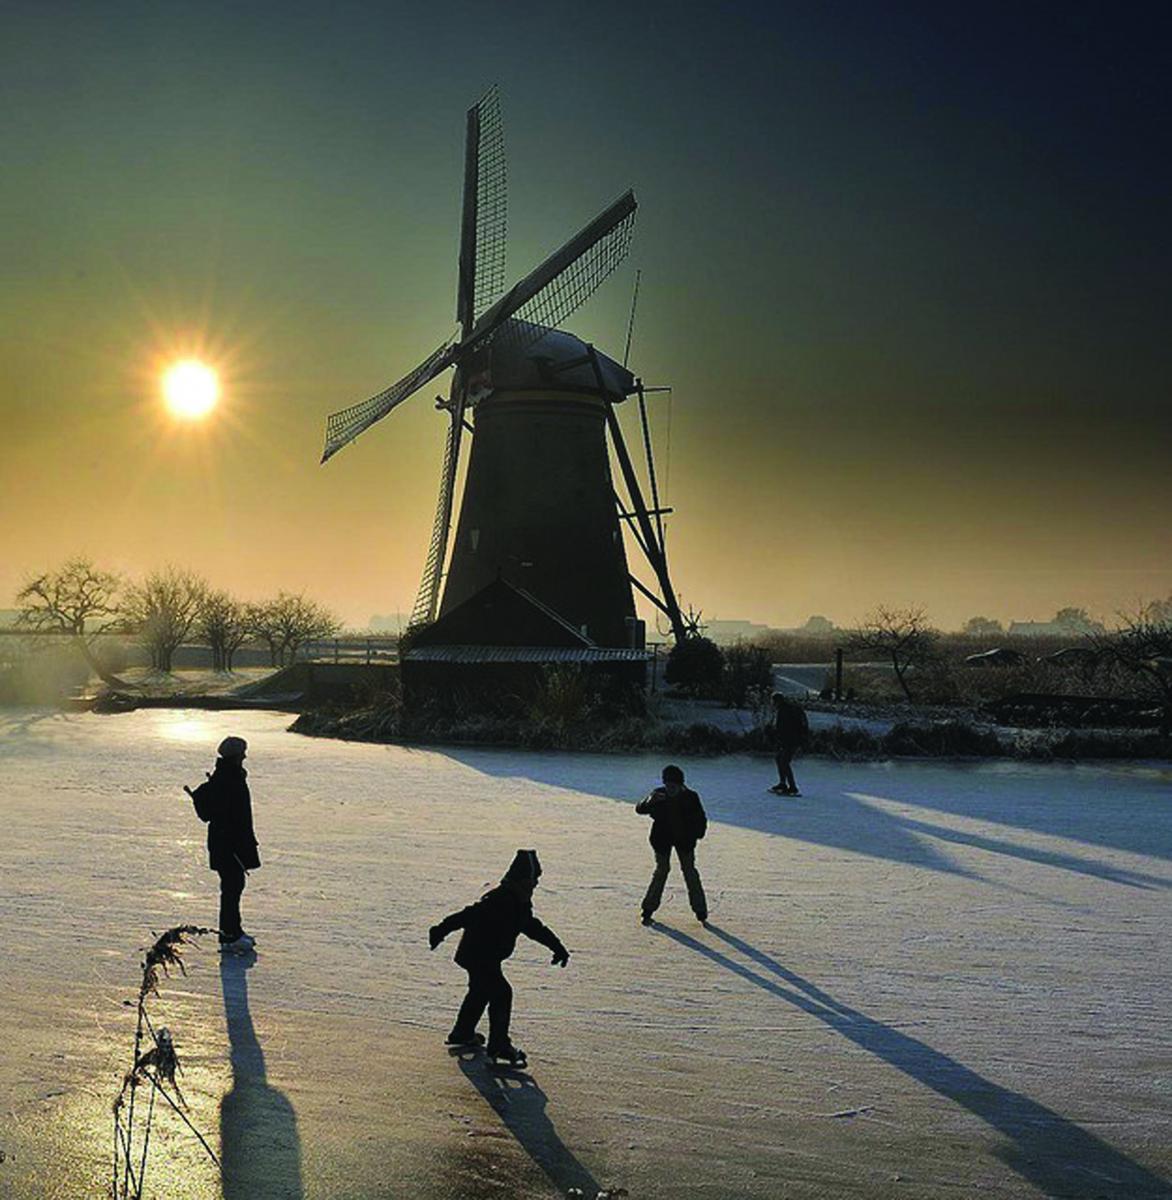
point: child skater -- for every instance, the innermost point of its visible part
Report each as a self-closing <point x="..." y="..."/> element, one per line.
<point x="491" y="926"/>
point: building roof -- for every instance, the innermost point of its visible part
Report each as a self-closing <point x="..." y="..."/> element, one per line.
<point x="501" y="614"/>
<point x="467" y="655"/>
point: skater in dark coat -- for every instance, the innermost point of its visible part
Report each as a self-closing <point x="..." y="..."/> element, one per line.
<point x="225" y="804"/>
<point x="678" y="821"/>
<point x="792" y="729"/>
<point x="491" y="926"/>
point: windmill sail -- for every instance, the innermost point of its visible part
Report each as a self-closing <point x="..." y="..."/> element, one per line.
<point x="568" y="277"/>
<point x="483" y="226"/>
<point x="428" y="595"/>
<point x="344" y="426"/>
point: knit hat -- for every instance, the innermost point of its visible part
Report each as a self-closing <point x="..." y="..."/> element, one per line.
<point x="524" y="868"/>
<point x="232" y="747"/>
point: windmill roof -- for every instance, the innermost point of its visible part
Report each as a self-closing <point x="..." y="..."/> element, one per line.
<point x="501" y="614"/>
<point x="524" y="654"/>
<point x="536" y="366"/>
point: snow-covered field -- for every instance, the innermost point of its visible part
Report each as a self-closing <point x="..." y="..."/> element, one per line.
<point x="920" y="980"/>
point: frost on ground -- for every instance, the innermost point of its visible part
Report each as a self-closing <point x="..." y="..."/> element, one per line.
<point x="920" y="979"/>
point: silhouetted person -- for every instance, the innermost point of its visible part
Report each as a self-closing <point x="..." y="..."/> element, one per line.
<point x="225" y="804"/>
<point x="792" y="730"/>
<point x="677" y="820"/>
<point x="491" y="926"/>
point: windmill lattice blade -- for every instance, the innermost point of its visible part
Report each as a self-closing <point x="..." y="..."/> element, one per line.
<point x="483" y="223"/>
<point x="548" y="295"/>
<point x="344" y="426"/>
<point x="427" y="598"/>
<point x="491" y="204"/>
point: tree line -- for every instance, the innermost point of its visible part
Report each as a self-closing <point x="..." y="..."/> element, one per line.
<point x="165" y="609"/>
<point x="1137" y="652"/>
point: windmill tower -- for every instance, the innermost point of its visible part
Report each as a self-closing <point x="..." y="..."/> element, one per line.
<point x="540" y="509"/>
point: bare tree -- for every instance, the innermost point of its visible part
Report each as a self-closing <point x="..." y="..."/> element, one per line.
<point x="77" y="600"/>
<point x="286" y="623"/>
<point x="301" y="620"/>
<point x="222" y="623"/>
<point x="902" y="635"/>
<point x="1143" y="647"/>
<point x="263" y="624"/>
<point x="162" y="610"/>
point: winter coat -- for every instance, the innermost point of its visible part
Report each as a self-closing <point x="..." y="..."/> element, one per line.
<point x="492" y="924"/>
<point x="793" y="727"/>
<point x="678" y="820"/>
<point x="231" y="840"/>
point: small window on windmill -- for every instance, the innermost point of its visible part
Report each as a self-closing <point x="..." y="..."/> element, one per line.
<point x="474" y="535"/>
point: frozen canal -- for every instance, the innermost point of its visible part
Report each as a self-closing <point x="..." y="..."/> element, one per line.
<point x="919" y="980"/>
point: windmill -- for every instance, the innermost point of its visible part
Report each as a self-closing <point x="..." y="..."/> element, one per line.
<point x="539" y="508"/>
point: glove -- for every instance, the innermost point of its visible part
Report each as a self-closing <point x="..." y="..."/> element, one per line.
<point x="434" y="936"/>
<point x="560" y="958"/>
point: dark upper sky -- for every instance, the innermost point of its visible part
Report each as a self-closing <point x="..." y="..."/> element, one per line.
<point x="906" y="267"/>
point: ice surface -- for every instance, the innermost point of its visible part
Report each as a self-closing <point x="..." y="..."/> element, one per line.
<point x="920" y="980"/>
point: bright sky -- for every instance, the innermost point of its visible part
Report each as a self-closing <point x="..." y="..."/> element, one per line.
<point x="908" y="274"/>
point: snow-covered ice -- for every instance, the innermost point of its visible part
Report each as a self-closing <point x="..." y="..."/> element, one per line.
<point x="919" y="980"/>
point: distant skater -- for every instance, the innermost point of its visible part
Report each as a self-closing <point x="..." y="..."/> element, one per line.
<point x="792" y="729"/>
<point x="491" y="926"/>
<point x="677" y="820"/>
<point x="224" y="802"/>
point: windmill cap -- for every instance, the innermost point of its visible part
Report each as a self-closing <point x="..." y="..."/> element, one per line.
<point x="232" y="747"/>
<point x="524" y="868"/>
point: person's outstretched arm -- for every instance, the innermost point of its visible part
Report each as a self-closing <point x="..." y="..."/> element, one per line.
<point x="534" y="929"/>
<point x="457" y="920"/>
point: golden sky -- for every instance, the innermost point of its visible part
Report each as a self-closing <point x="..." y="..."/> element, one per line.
<point x="908" y="277"/>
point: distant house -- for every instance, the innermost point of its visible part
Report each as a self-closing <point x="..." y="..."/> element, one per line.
<point x="1053" y="629"/>
<point x="724" y="633"/>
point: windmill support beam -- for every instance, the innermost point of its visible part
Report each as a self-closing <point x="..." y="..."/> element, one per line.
<point x="650" y="595"/>
<point x="656" y="511"/>
<point x="652" y="547"/>
<point x="632" y="524"/>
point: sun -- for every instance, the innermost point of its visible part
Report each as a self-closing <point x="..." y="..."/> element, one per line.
<point x="190" y="389"/>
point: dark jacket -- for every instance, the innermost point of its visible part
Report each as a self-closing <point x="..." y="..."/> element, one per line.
<point x="492" y="924"/>
<point x="792" y="724"/>
<point x="678" y="820"/>
<point x="231" y="840"/>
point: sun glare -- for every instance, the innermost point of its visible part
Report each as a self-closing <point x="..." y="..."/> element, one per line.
<point x="191" y="389"/>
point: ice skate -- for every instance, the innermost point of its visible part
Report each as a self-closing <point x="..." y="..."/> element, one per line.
<point x="456" y="1041"/>
<point x="507" y="1056"/>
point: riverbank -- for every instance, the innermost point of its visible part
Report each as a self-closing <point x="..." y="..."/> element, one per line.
<point x="850" y="738"/>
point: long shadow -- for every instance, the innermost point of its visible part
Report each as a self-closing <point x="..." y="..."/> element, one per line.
<point x="1053" y="1153"/>
<point x="515" y="1097"/>
<point x="1072" y="803"/>
<point x="1048" y="858"/>
<point x="260" y="1150"/>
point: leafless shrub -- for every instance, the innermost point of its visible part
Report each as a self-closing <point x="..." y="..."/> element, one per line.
<point x="156" y="1065"/>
